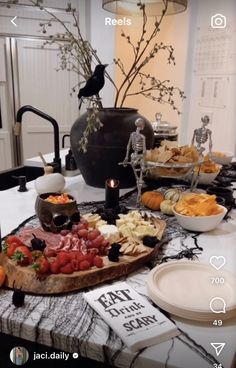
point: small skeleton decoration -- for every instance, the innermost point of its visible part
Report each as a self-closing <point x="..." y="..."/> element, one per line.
<point x="201" y="135"/>
<point x="137" y="142"/>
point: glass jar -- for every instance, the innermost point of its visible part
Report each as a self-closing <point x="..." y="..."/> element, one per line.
<point x="163" y="130"/>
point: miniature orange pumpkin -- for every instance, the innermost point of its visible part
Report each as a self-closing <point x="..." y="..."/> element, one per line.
<point x="152" y="200"/>
<point x="2" y="275"/>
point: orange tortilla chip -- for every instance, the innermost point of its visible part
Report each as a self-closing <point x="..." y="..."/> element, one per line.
<point x="198" y="205"/>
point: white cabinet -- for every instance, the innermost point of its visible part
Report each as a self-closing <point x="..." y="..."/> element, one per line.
<point x="28" y="76"/>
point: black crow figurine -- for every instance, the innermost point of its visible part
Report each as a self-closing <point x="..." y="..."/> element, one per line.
<point x="94" y="84"/>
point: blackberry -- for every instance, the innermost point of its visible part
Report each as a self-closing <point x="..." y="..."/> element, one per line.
<point x="114" y="252"/>
<point x="150" y="241"/>
<point x="38" y="244"/>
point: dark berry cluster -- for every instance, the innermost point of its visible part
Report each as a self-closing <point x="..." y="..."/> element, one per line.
<point x="150" y="241"/>
<point x="114" y="252"/>
<point x="38" y="244"/>
<point x="110" y="214"/>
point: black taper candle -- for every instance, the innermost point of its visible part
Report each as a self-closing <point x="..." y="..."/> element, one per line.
<point x="112" y="193"/>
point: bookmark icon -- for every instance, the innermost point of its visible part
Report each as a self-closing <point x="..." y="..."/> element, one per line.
<point x="218" y="346"/>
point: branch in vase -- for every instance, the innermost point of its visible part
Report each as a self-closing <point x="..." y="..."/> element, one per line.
<point x="86" y="52"/>
<point x="150" y="85"/>
<point x="135" y="67"/>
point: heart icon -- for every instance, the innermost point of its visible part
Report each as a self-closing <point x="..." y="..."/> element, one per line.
<point x="217" y="262"/>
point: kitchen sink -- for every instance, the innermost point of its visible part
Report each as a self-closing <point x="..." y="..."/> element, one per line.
<point x="8" y="177"/>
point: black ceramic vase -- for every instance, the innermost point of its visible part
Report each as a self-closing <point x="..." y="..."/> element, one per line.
<point x="107" y="147"/>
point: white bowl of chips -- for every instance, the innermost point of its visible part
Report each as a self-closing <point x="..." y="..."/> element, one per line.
<point x="207" y="178"/>
<point x="208" y="171"/>
<point x="199" y="212"/>
<point x="223" y="158"/>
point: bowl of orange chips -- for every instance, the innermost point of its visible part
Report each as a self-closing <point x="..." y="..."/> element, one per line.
<point x="199" y="212"/>
<point x="207" y="171"/>
<point x="223" y="158"/>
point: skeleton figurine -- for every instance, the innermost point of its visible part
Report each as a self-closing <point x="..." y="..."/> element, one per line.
<point x="201" y="135"/>
<point x="137" y="142"/>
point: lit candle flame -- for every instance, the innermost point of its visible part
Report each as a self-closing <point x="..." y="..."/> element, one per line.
<point x="112" y="183"/>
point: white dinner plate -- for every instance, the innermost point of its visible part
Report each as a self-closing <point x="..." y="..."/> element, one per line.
<point x="185" y="289"/>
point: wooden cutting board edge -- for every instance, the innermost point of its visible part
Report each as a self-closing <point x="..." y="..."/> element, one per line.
<point x="26" y="279"/>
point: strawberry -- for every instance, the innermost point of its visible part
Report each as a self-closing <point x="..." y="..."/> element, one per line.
<point x="73" y="254"/>
<point x="41" y="266"/>
<point x="36" y="254"/>
<point x="12" y="242"/>
<point x="81" y="257"/>
<point x="75" y="264"/>
<point x="54" y="267"/>
<point x="67" y="269"/>
<point x="11" y="249"/>
<point x="84" y="265"/>
<point x="98" y="262"/>
<point x="14" y="239"/>
<point x="63" y="258"/>
<point x="22" y="255"/>
<point x="89" y="257"/>
<point x="49" y="252"/>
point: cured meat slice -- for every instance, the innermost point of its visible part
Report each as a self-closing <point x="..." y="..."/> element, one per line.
<point x="52" y="240"/>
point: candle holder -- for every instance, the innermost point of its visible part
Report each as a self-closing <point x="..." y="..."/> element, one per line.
<point x="112" y="193"/>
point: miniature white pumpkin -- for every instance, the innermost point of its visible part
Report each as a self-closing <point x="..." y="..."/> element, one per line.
<point x="48" y="183"/>
<point x="173" y="194"/>
<point x="166" y="207"/>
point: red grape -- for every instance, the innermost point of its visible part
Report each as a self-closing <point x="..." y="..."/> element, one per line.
<point x="93" y="234"/>
<point x="98" y="241"/>
<point x="83" y="233"/>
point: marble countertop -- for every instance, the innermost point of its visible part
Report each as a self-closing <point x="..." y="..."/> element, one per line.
<point x="68" y="323"/>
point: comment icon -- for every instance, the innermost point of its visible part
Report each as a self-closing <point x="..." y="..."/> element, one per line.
<point x="218" y="305"/>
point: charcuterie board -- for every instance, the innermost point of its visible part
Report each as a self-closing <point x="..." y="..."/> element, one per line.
<point x="28" y="280"/>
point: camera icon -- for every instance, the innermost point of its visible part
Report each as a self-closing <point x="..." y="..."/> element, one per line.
<point x="218" y="21"/>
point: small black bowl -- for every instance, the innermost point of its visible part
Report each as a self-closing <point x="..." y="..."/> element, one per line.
<point x="226" y="193"/>
<point x="220" y="200"/>
<point x="233" y="165"/>
<point x="222" y="181"/>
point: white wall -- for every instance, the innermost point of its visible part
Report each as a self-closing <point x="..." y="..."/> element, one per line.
<point x="173" y="31"/>
<point x="211" y="87"/>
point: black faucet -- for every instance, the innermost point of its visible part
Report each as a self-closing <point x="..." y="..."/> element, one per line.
<point x="56" y="161"/>
<point x="63" y="139"/>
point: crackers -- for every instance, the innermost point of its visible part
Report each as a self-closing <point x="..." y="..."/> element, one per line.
<point x="171" y="154"/>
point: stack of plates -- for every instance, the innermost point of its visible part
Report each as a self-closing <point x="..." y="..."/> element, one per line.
<point x="185" y="289"/>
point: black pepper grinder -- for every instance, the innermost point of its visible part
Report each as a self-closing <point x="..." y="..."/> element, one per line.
<point x="22" y="183"/>
<point x="70" y="161"/>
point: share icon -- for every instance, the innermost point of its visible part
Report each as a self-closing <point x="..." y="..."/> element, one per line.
<point x="218" y="346"/>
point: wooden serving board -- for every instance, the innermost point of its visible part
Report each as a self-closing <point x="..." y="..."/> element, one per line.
<point x="26" y="279"/>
